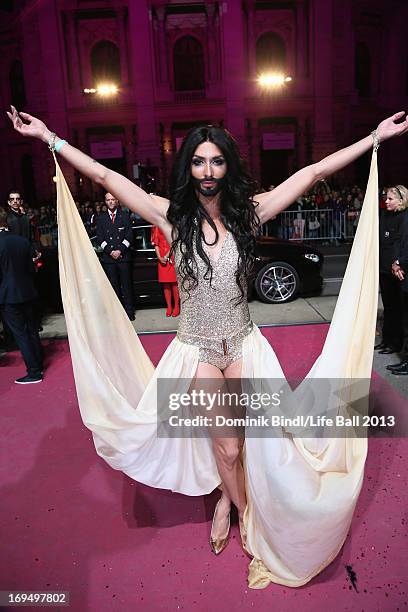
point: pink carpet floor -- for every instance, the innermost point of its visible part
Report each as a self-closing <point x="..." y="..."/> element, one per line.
<point x="69" y="522"/>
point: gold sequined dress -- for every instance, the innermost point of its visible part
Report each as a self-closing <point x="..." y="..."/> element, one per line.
<point x="214" y="316"/>
<point x="301" y="493"/>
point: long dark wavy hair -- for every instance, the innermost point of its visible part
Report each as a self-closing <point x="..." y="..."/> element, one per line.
<point x="237" y="208"/>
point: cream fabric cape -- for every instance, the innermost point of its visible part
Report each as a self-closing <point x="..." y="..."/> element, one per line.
<point x="301" y="493"/>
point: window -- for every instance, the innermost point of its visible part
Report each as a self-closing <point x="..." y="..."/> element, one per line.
<point x="188" y="64"/>
<point x="18" y="95"/>
<point x="363" y="70"/>
<point x="105" y="63"/>
<point x="270" y="53"/>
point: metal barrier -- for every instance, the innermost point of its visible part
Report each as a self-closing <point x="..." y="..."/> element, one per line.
<point x="322" y="224"/>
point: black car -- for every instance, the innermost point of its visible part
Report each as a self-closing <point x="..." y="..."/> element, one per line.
<point x="283" y="269"/>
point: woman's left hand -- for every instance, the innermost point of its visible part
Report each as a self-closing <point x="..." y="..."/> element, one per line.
<point x="389" y="128"/>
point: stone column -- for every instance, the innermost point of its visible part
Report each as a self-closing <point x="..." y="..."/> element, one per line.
<point x="323" y="138"/>
<point x="349" y="43"/>
<point x="73" y="56"/>
<point x="122" y="37"/>
<point x="52" y="59"/>
<point x="251" y="45"/>
<point x="211" y="46"/>
<point x="301" y="50"/>
<point x="163" y="64"/>
<point x="392" y="85"/>
<point x="34" y="86"/>
<point x="251" y="39"/>
<point x="142" y="79"/>
<point x="236" y="83"/>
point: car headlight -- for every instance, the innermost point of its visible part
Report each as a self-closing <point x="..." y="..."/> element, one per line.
<point x="312" y="256"/>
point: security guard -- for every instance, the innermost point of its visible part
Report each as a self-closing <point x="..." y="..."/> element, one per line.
<point x="114" y="234"/>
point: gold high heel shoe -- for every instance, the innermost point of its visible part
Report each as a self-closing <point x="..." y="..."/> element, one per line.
<point x="243" y="532"/>
<point x="217" y="546"/>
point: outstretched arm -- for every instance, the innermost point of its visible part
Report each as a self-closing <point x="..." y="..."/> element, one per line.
<point x="151" y="208"/>
<point x="273" y="202"/>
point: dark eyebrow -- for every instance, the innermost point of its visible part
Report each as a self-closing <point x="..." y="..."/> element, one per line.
<point x="212" y="158"/>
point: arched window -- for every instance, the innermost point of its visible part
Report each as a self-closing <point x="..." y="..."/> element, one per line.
<point x="18" y="95"/>
<point x="105" y="63"/>
<point x="363" y="70"/>
<point x="188" y="64"/>
<point x="270" y="53"/>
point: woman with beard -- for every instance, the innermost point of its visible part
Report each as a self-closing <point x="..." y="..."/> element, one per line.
<point x="211" y="220"/>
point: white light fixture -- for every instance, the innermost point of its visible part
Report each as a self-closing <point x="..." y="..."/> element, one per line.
<point x="273" y="80"/>
<point x="103" y="89"/>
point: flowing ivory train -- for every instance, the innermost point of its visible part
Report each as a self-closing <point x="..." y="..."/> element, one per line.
<point x="301" y="492"/>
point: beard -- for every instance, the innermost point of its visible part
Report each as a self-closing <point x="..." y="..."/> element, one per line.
<point x="209" y="192"/>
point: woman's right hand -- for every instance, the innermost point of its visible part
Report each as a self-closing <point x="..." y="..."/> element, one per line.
<point x="34" y="128"/>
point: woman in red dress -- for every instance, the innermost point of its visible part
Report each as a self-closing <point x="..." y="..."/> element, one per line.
<point x="166" y="272"/>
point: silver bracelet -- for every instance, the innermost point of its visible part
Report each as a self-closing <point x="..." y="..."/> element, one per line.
<point x="51" y="141"/>
<point x="376" y="140"/>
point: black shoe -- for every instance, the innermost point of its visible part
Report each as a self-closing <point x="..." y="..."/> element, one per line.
<point x="389" y="351"/>
<point x="402" y="371"/>
<point x="397" y="366"/>
<point x="28" y="380"/>
<point x="131" y="317"/>
<point x="380" y="346"/>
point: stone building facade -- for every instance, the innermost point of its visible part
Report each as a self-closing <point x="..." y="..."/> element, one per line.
<point x="181" y="63"/>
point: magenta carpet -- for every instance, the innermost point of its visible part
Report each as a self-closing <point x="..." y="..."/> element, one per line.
<point x="71" y="523"/>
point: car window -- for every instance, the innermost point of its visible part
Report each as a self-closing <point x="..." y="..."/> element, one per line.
<point x="141" y="238"/>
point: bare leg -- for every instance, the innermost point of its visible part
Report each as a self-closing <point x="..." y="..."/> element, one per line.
<point x="226" y="451"/>
<point x="231" y="374"/>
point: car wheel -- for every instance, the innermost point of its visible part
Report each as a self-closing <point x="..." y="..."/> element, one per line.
<point x="277" y="283"/>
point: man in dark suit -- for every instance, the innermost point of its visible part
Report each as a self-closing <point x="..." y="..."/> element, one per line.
<point x="18" y="222"/>
<point x="17" y="298"/>
<point x="114" y="234"/>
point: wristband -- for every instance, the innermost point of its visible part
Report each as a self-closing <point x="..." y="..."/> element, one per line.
<point x="59" y="145"/>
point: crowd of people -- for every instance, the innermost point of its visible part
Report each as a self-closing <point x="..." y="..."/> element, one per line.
<point x="325" y="214"/>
